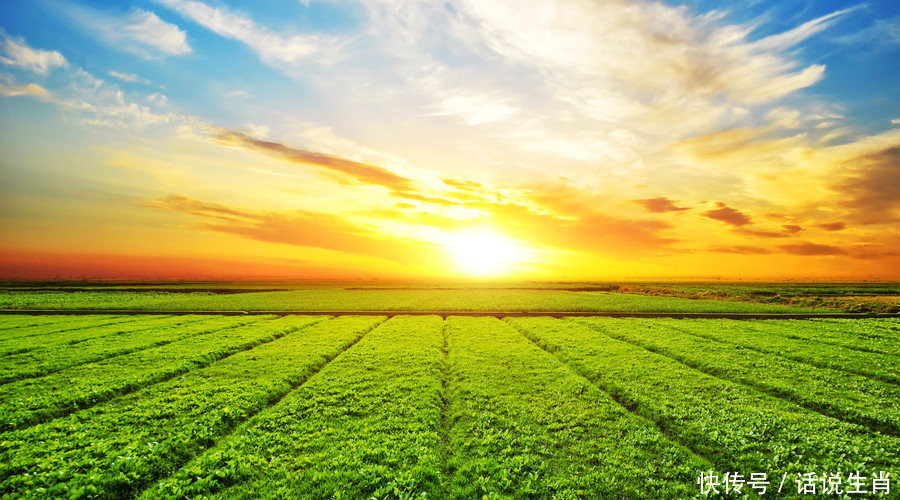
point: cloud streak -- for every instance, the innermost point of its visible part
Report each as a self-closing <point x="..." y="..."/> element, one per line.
<point x="359" y="172"/>
<point x="660" y="205"/>
<point x="298" y="228"/>
<point x="272" y="48"/>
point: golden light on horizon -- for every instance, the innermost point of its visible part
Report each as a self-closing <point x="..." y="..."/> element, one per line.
<point x="483" y="252"/>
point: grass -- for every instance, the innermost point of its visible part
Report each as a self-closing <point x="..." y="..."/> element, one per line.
<point x="313" y="407"/>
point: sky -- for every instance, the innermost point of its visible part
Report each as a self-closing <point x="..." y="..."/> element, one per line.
<point x="520" y="139"/>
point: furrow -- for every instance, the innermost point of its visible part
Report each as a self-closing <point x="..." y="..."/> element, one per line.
<point x="446" y="422"/>
<point x="43" y="361"/>
<point x="858" y="335"/>
<point x="170" y="422"/>
<point x="627" y="404"/>
<point x="819" y="390"/>
<point x="77" y="323"/>
<point x="727" y="422"/>
<point x="526" y="426"/>
<point x="31" y="401"/>
<point x="367" y="425"/>
<point x="871" y="365"/>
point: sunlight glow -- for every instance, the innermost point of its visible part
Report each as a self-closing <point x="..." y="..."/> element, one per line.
<point x="482" y="252"/>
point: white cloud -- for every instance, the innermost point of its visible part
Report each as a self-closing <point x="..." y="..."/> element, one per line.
<point x="17" y="53"/>
<point x="273" y="48"/>
<point x="158" y="99"/>
<point x="139" y="31"/>
<point x="149" y="29"/>
<point x="94" y="101"/>
<point x="475" y="109"/>
<point x="794" y="36"/>
<point x="129" y="77"/>
<point x="646" y="47"/>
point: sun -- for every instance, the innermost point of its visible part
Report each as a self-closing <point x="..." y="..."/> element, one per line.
<point x="482" y="252"/>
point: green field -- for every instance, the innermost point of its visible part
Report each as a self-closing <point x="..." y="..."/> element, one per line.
<point x="430" y="407"/>
<point x="388" y="300"/>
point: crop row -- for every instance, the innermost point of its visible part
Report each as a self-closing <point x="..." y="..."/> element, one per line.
<point x="525" y="426"/>
<point x="144" y="436"/>
<point x="88" y="346"/>
<point x="743" y="333"/>
<point x="49" y="341"/>
<point x="29" y="401"/>
<point x="736" y="427"/>
<point x="367" y="426"/>
<point x="839" y="394"/>
<point x="309" y="407"/>
<point x="12" y="322"/>
<point x="851" y="334"/>
<point x="10" y="340"/>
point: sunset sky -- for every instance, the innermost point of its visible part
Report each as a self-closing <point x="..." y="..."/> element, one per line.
<point x="526" y="139"/>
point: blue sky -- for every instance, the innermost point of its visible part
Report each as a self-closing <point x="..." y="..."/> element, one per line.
<point x="599" y="139"/>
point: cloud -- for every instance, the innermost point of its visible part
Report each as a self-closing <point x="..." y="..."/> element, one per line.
<point x="756" y="233"/>
<point x="881" y="34"/>
<point x="157" y="98"/>
<point x="474" y="109"/>
<point x="359" y="172"/>
<point x="20" y="55"/>
<point x="792" y="228"/>
<point x="657" y="205"/>
<point x="425" y="199"/>
<point x="463" y="184"/>
<point x="832" y="226"/>
<point x="873" y="187"/>
<point x="298" y="228"/>
<point x="147" y="28"/>
<point x="272" y="48"/>
<point x="807" y="248"/>
<point x="129" y="77"/>
<point x="647" y="46"/>
<point x="139" y="31"/>
<point x="31" y="90"/>
<point x="740" y="250"/>
<point x="728" y="215"/>
<point x="582" y="230"/>
<point x="796" y="35"/>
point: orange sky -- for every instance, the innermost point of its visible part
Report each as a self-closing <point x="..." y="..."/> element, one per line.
<point x="623" y="140"/>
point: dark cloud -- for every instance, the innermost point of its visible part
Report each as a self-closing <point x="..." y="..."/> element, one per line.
<point x="832" y="226"/>
<point x="792" y="228"/>
<point x="360" y="172"/>
<point x="873" y="188"/>
<point x="728" y="215"/>
<point x="657" y="205"/>
<point x="807" y="248"/>
<point x="741" y="250"/>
